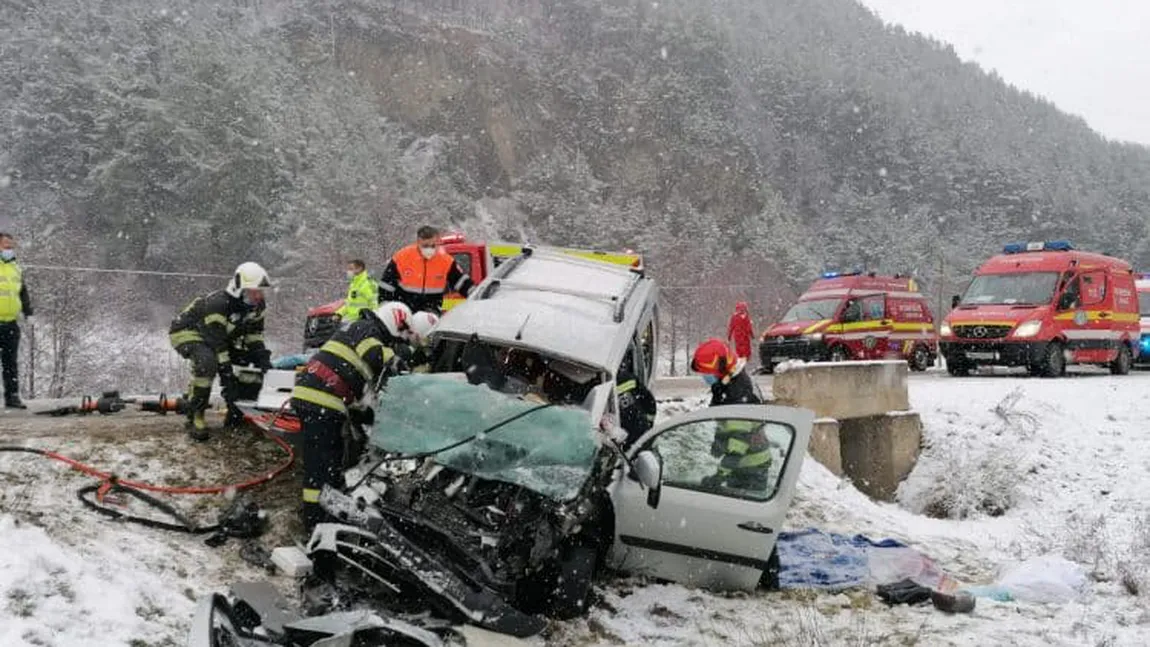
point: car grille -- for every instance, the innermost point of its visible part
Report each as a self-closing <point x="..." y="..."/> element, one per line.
<point x="981" y="332"/>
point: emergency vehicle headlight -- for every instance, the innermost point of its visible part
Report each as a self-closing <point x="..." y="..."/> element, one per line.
<point x="815" y="336"/>
<point x="944" y="330"/>
<point x="1028" y="328"/>
<point x="830" y="275"/>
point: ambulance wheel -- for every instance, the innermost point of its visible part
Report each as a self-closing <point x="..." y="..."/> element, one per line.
<point x="1053" y="362"/>
<point x="1121" y="364"/>
<point x="919" y="359"/>
<point x="839" y="354"/>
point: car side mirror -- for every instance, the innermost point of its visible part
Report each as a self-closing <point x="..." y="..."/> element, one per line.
<point x="649" y="470"/>
<point x="955" y="300"/>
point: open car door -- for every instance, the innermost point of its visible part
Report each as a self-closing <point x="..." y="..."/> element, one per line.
<point x="709" y="530"/>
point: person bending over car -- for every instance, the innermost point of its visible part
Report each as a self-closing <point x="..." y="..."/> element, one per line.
<point x="741" y="444"/>
<point x="332" y="389"/>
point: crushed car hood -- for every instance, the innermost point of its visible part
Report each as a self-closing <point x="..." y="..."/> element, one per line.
<point x="550" y="451"/>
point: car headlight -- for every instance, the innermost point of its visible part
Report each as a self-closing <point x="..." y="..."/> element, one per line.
<point x="817" y="336"/>
<point x="1028" y="329"/>
<point x="944" y="330"/>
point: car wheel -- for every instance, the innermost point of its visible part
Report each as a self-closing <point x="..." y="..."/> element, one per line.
<point x="1054" y="362"/>
<point x="839" y="354"/>
<point x="1122" y="364"/>
<point x="570" y="593"/>
<point x="919" y="359"/>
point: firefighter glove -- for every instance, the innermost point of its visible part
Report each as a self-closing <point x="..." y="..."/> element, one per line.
<point x="363" y="416"/>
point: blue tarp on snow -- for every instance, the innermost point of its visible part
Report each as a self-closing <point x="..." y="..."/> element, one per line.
<point x="812" y="559"/>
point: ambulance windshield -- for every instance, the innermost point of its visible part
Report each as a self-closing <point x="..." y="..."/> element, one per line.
<point x="813" y="310"/>
<point x="1021" y="289"/>
<point x="1144" y="303"/>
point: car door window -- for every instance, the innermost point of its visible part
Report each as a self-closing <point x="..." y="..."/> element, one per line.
<point x="464" y="261"/>
<point x="736" y="458"/>
<point x="851" y="312"/>
<point x="1093" y="288"/>
<point x="647" y="346"/>
<point x="873" y="308"/>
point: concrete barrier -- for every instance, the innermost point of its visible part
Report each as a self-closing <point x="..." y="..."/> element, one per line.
<point x="826" y="446"/>
<point x="844" y="390"/>
<point x="878" y="452"/>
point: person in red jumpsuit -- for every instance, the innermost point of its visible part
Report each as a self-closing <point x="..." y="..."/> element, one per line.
<point x="740" y="330"/>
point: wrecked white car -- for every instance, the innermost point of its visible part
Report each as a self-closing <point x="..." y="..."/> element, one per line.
<point x="496" y="487"/>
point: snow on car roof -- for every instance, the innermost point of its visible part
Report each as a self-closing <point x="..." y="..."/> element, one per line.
<point x="562" y="305"/>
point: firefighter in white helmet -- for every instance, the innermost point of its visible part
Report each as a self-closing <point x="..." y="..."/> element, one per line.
<point x="217" y="332"/>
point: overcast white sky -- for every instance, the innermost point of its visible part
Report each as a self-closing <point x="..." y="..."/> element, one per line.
<point x="1090" y="57"/>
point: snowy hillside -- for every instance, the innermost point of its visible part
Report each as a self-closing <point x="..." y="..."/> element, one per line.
<point x="1066" y="461"/>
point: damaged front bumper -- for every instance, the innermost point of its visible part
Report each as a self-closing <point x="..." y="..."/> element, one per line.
<point x="256" y="615"/>
<point x="399" y="561"/>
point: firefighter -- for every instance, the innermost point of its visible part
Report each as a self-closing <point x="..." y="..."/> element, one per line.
<point x="420" y="274"/>
<point x="14" y="300"/>
<point x="330" y="391"/>
<point x="637" y="405"/>
<point x="210" y="329"/>
<point x="419" y="329"/>
<point x="742" y="445"/>
<point x="362" y="293"/>
<point x="740" y="330"/>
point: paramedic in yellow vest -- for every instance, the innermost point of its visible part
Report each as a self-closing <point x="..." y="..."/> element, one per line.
<point x="362" y="293"/>
<point x="14" y="301"/>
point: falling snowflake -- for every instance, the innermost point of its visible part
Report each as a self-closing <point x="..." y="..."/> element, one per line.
<point x="663" y="53"/>
<point x="882" y="172"/>
<point x="5" y="180"/>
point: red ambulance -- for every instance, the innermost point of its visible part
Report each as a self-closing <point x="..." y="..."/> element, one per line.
<point x="1043" y="305"/>
<point x="854" y="316"/>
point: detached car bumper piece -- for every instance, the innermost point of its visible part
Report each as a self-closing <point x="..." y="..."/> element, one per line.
<point x="993" y="353"/>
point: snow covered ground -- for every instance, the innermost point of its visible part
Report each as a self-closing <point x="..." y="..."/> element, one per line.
<point x="1064" y="464"/>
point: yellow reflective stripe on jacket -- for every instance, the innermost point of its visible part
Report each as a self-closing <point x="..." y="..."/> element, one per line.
<point x="732" y="427"/>
<point x="217" y="318"/>
<point x="202" y="382"/>
<point x="344" y="352"/>
<point x="624" y="387"/>
<point x="223" y="357"/>
<point x="364" y="347"/>
<point x="254" y="338"/>
<point x="310" y="495"/>
<point x="322" y="398"/>
<point x="182" y="337"/>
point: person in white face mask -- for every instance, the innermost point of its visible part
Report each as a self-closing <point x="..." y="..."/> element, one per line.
<point x="420" y="274"/>
<point x="14" y="301"/>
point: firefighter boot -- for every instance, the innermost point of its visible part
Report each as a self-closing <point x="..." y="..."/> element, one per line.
<point x="197" y="426"/>
<point x="235" y="420"/>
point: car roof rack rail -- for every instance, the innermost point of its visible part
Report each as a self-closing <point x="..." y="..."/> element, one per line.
<point x="621" y="302"/>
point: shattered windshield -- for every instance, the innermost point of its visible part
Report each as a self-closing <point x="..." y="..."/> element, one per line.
<point x="547" y="450"/>
<point x="812" y="310"/>
<point x="1144" y="303"/>
<point x="1027" y="288"/>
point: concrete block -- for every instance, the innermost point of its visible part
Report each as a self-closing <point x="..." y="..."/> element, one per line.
<point x="844" y="390"/>
<point x="825" y="446"/>
<point x="878" y="452"/>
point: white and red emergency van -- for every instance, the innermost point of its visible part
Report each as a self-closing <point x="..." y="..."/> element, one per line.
<point x="1043" y="305"/>
<point x="1142" y="284"/>
<point x="844" y="316"/>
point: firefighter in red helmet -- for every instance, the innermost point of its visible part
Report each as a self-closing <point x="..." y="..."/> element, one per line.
<point x="741" y="444"/>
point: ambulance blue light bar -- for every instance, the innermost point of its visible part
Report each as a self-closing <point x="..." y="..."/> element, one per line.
<point x="831" y="275"/>
<point x="1049" y="246"/>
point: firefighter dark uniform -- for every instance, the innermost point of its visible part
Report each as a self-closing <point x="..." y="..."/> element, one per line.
<point x="340" y="373"/>
<point x="420" y="282"/>
<point x="14" y="300"/>
<point x="217" y="331"/>
<point x="742" y="445"/>
<point x="637" y="407"/>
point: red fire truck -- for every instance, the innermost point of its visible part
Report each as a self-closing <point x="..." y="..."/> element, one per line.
<point x="1043" y="305"/>
<point x="476" y="258"/>
<point x="854" y="316"/>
